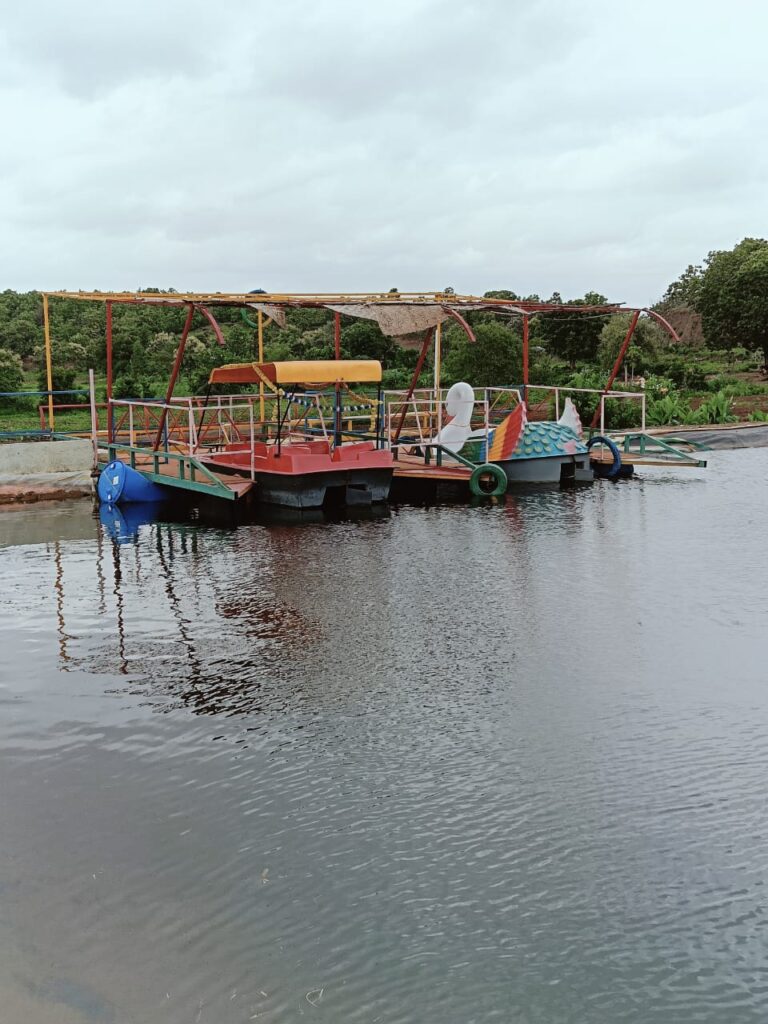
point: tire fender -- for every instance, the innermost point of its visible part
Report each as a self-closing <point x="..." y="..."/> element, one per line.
<point x="478" y="482"/>
<point x="612" y="447"/>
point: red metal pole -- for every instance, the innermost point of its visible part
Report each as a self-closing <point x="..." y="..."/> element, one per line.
<point x="109" y="371"/>
<point x="337" y="355"/>
<point x="214" y="324"/>
<point x="461" y="321"/>
<point x="174" y="374"/>
<point x="525" y="360"/>
<point x="415" y="379"/>
<point x="619" y="361"/>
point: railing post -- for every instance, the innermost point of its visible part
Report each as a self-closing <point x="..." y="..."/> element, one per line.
<point x="110" y="425"/>
<point x="602" y="414"/>
<point x="194" y="427"/>
<point x="487" y="414"/>
<point x="642" y="422"/>
<point x="48" y="361"/>
<point x="131" y="439"/>
<point x="190" y="428"/>
<point x="94" y="419"/>
<point x="557" y="403"/>
<point x="250" y="427"/>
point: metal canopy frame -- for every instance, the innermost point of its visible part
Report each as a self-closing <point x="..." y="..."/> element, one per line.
<point x="451" y="305"/>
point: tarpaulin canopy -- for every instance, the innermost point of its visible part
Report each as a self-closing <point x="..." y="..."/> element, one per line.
<point x="395" y="318"/>
<point x="269" y="309"/>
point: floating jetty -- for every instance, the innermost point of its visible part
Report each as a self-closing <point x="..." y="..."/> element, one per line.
<point x="303" y="433"/>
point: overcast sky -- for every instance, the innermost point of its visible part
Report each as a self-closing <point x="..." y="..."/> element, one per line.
<point x="345" y="145"/>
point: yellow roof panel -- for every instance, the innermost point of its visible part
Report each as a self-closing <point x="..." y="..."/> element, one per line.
<point x="300" y="371"/>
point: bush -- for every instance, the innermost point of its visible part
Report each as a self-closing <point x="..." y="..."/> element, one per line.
<point x="741" y="388"/>
<point x="11" y="377"/>
<point x="659" y="387"/>
<point x="131" y="385"/>
<point x="547" y="370"/>
<point x="11" y="371"/>
<point x="620" y="413"/>
<point x="668" y="410"/>
<point x="399" y="379"/>
<point x="688" y="372"/>
<point x="63" y="379"/>
<point x="716" y="409"/>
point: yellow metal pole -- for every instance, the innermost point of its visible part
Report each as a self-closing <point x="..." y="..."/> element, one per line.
<point x="438" y="371"/>
<point x="261" y="360"/>
<point x="48" y="363"/>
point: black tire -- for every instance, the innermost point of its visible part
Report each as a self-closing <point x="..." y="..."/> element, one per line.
<point x="615" y="469"/>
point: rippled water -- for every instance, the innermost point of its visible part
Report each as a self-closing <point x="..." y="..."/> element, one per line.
<point x="449" y="765"/>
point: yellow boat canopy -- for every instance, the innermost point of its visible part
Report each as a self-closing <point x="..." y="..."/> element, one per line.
<point x="300" y="371"/>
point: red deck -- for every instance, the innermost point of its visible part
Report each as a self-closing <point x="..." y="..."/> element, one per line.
<point x="294" y="458"/>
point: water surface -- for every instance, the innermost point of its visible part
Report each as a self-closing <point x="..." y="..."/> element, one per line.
<point x="446" y="765"/>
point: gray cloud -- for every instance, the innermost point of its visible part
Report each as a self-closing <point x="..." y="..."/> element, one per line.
<point x="529" y="144"/>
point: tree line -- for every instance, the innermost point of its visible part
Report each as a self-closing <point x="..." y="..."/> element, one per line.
<point x="729" y="291"/>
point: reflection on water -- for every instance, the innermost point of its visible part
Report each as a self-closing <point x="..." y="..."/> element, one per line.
<point x="450" y="764"/>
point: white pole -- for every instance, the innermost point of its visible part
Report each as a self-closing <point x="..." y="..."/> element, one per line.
<point x="438" y="374"/>
<point x="487" y="415"/>
<point x="191" y="428"/>
<point x="94" y="419"/>
<point x="602" y="414"/>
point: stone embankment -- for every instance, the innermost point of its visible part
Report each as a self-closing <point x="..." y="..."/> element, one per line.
<point x="32" y="471"/>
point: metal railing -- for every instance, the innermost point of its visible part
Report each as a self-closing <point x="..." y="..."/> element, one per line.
<point x="425" y="408"/>
<point x="418" y="419"/>
<point x="557" y="391"/>
<point x="190" y="473"/>
<point x="196" y="423"/>
<point x="17" y="403"/>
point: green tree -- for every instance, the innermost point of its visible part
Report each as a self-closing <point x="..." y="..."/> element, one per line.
<point x="364" y="339"/>
<point x="11" y="372"/>
<point x="495" y="359"/>
<point x="733" y="297"/>
<point x="642" y="346"/>
<point x="684" y="292"/>
<point x="574" y="337"/>
<point x="20" y="335"/>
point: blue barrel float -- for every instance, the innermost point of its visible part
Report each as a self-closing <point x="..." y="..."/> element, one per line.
<point x="119" y="485"/>
<point x="123" y="521"/>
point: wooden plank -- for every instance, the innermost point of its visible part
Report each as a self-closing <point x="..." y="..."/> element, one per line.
<point x="413" y="467"/>
<point x="635" y="459"/>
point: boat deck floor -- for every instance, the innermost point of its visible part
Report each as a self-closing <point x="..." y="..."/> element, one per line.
<point x="415" y="468"/>
<point x="605" y="457"/>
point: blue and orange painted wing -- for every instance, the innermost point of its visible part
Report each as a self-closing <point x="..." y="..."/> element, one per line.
<point x="507" y="434"/>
